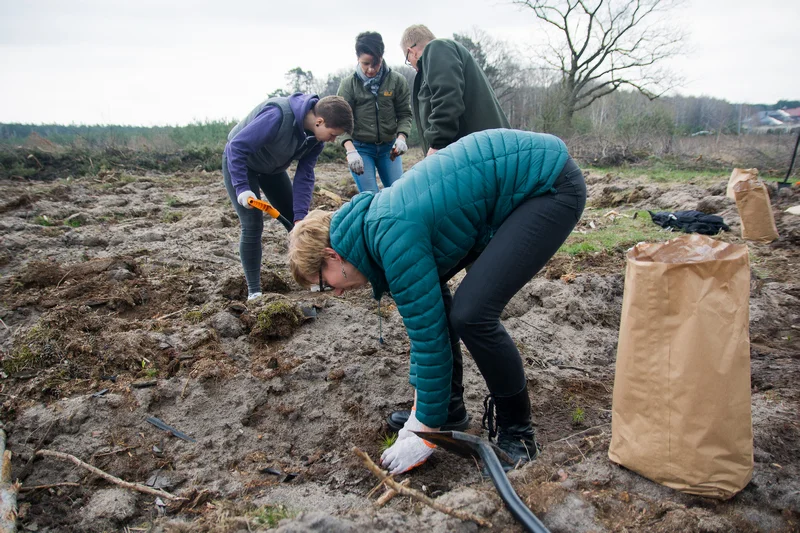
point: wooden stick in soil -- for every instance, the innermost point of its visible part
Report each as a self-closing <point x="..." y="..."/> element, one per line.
<point x="389" y="494"/>
<point x="408" y="491"/>
<point x="29" y="488"/>
<point x="8" y="490"/>
<point x="108" y="477"/>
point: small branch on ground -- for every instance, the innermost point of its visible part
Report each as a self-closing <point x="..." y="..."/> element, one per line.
<point x="108" y="477"/>
<point x="407" y="491"/>
<point x="26" y="488"/>
<point x="581" y="432"/>
<point x="8" y="490"/>
<point x="389" y="494"/>
<point x="168" y="315"/>
<point x="183" y="390"/>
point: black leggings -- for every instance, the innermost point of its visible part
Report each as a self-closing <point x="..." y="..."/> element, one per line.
<point x="525" y="241"/>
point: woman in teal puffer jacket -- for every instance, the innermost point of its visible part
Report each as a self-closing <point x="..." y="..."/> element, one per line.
<point x="503" y="199"/>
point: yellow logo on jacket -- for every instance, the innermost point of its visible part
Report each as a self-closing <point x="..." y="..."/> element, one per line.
<point x="388" y="93"/>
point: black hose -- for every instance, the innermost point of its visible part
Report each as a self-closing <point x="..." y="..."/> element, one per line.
<point x="518" y="509"/>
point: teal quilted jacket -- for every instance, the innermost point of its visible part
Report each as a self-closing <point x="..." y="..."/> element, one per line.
<point x="407" y="236"/>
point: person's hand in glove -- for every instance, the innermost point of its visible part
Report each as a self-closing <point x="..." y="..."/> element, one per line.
<point x="355" y="162"/>
<point x="242" y="199"/>
<point x="406" y="454"/>
<point x="412" y="424"/>
<point x="400" y="147"/>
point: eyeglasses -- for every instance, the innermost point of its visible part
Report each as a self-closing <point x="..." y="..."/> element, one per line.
<point x="321" y="281"/>
<point x="408" y="51"/>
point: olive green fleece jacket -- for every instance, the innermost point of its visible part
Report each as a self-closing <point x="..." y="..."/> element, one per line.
<point x="377" y="119"/>
<point x="452" y="96"/>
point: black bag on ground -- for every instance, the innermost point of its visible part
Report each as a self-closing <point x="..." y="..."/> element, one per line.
<point x="690" y="221"/>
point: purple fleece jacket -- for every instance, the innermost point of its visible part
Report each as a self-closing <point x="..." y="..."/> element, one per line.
<point x="261" y="131"/>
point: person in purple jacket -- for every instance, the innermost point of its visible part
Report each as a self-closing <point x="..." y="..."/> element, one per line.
<point x="261" y="147"/>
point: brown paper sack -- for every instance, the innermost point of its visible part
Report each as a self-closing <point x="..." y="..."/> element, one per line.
<point x="681" y="402"/>
<point x="739" y="174"/>
<point x="752" y="201"/>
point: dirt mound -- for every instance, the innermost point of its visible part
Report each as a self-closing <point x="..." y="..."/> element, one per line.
<point x="136" y="309"/>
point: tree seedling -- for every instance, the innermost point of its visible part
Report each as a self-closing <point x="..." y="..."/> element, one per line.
<point x="387" y="441"/>
<point x="578" y="416"/>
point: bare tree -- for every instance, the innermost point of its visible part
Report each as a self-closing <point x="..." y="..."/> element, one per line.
<point x="603" y="45"/>
<point x="496" y="58"/>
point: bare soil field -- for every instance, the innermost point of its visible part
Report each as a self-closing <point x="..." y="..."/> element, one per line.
<point x="122" y="298"/>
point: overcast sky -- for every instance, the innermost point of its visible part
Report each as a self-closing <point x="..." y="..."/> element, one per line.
<point x="156" y="62"/>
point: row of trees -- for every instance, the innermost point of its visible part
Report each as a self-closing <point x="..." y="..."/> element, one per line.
<point x="602" y="70"/>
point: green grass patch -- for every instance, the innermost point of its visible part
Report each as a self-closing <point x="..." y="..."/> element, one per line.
<point x="42" y="220"/>
<point x="118" y="182"/>
<point x="172" y="217"/>
<point x="73" y="223"/>
<point x="271" y="515"/>
<point x="195" y="316"/>
<point x="614" y="235"/>
<point x="33" y="350"/>
<point x="662" y="172"/>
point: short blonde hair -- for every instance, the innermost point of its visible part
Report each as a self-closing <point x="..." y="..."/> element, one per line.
<point x="307" y="243"/>
<point x="418" y="34"/>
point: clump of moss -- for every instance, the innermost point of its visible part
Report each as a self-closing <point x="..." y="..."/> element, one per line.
<point x="172" y="217"/>
<point x="195" y="316"/>
<point x="36" y="349"/>
<point x="277" y="319"/>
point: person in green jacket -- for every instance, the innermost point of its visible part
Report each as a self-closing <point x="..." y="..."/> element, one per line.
<point x="451" y="97"/>
<point x="381" y="107"/>
<point x="503" y="200"/>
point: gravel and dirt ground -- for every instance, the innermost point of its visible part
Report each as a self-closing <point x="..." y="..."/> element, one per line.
<point x="122" y="298"/>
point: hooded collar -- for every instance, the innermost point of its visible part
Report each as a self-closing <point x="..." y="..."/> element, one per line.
<point x="301" y="104"/>
<point x="349" y="241"/>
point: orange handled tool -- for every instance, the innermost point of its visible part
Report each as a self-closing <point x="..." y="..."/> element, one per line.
<point x="271" y="211"/>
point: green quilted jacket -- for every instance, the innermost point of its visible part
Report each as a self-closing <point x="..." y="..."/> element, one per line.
<point x="407" y="236"/>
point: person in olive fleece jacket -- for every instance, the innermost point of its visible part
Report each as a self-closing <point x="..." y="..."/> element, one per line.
<point x="381" y="106"/>
<point x="451" y="97"/>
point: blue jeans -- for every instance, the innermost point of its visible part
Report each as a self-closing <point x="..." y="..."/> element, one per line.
<point x="377" y="156"/>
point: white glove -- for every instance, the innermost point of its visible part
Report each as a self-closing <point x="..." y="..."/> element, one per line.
<point x="406" y="454"/>
<point x="242" y="199"/>
<point x="412" y="424"/>
<point x="400" y="146"/>
<point x="355" y="162"/>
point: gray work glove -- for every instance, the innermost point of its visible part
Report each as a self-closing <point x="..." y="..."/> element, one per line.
<point x="400" y="146"/>
<point x="355" y="162"/>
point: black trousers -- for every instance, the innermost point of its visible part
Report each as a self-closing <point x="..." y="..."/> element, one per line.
<point x="522" y="245"/>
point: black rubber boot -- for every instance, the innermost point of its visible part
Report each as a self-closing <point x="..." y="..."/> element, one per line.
<point x="514" y="430"/>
